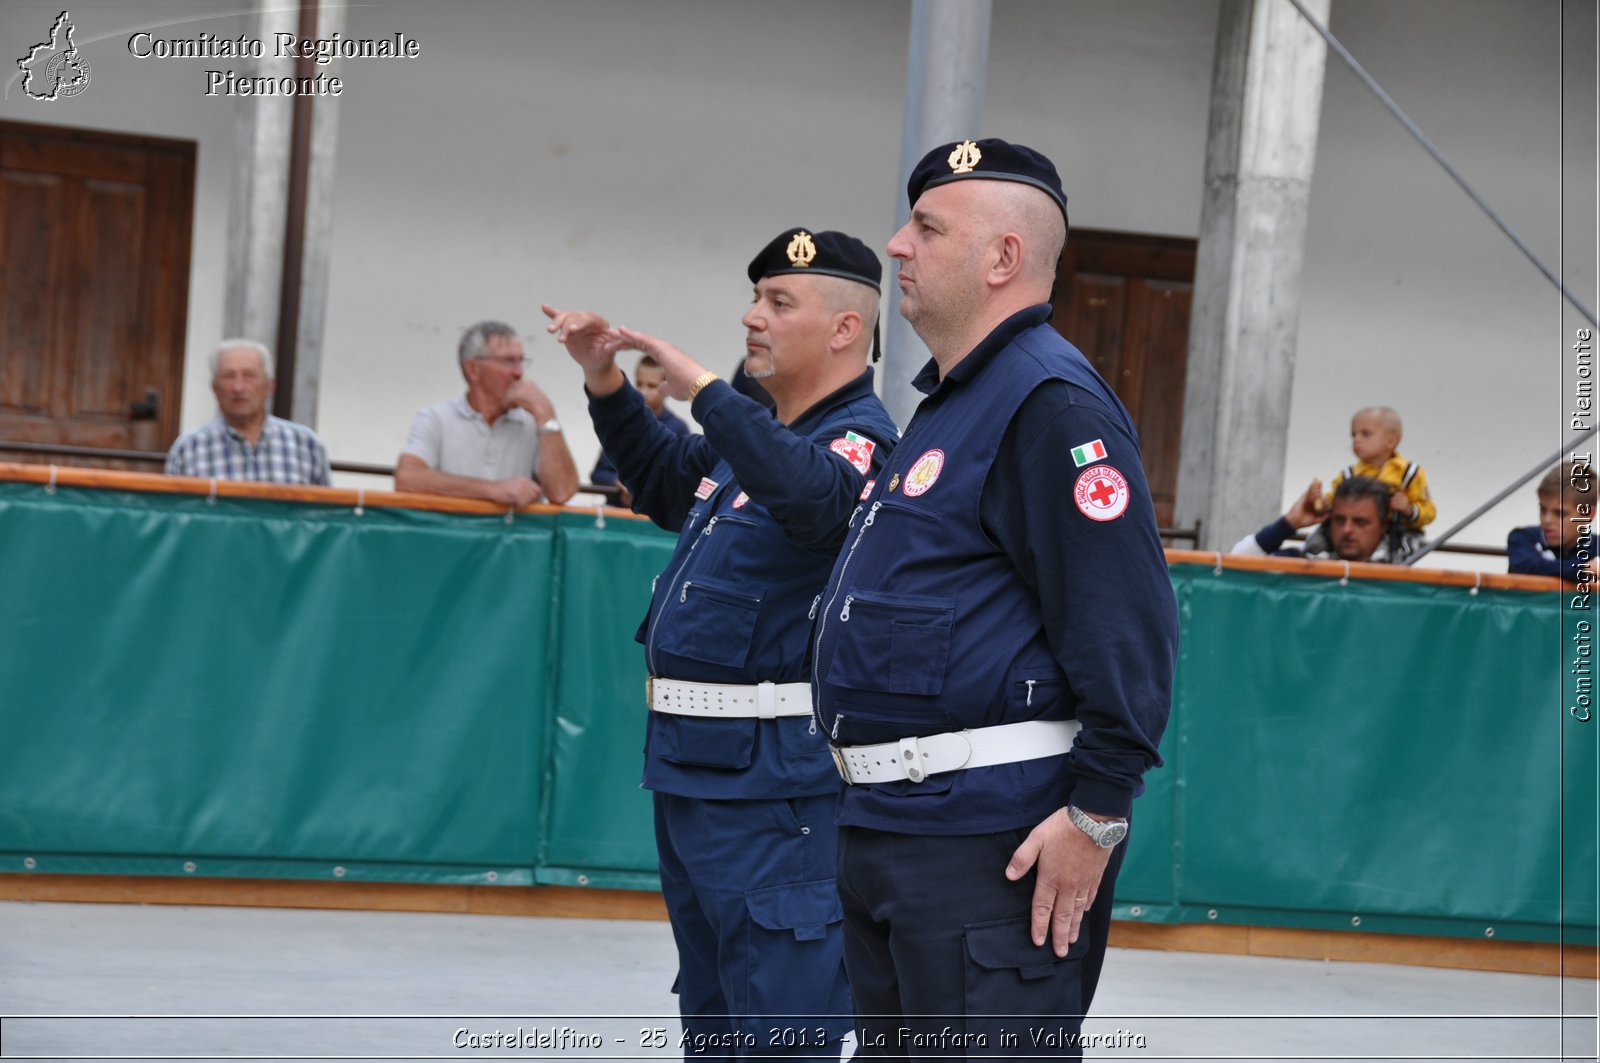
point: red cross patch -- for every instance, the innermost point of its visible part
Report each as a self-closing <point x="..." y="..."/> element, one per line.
<point x="738" y="503"/>
<point x="1101" y="493"/>
<point x="857" y="450"/>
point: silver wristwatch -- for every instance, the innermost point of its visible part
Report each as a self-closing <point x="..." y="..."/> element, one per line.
<point x="1105" y="835"/>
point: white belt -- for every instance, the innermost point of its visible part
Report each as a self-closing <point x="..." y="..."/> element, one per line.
<point x="917" y="758"/>
<point x="765" y="701"/>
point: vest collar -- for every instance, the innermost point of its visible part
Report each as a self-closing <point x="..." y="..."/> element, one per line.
<point x="927" y="381"/>
<point x="859" y="388"/>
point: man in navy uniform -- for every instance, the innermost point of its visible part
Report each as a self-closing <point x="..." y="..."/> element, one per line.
<point x="745" y="789"/>
<point x="995" y="646"/>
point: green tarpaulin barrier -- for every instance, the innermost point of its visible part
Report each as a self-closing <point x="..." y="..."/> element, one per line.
<point x="246" y="688"/>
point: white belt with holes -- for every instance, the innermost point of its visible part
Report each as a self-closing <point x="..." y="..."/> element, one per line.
<point x="917" y="758"/>
<point x="764" y="701"/>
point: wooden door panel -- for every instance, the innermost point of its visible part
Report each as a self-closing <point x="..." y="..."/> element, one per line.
<point x="108" y="358"/>
<point x="1160" y="328"/>
<point x="1096" y="313"/>
<point x="94" y="285"/>
<point x="31" y="208"/>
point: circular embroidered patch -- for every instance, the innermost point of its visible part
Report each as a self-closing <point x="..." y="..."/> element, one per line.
<point x="924" y="473"/>
<point x="1101" y="493"/>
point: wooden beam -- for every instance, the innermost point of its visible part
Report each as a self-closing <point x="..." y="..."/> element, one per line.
<point x="568" y="902"/>
<point x="1416" y="950"/>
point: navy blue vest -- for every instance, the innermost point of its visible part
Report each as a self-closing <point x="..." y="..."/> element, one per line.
<point x="926" y="625"/>
<point x="733" y="606"/>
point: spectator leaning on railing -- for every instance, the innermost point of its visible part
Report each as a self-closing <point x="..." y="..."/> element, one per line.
<point x="500" y="441"/>
<point x="245" y="442"/>
<point x="1562" y="543"/>
<point x="1359" y="528"/>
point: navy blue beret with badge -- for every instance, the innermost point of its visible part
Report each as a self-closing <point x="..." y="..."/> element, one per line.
<point x="990" y="159"/>
<point x="829" y="253"/>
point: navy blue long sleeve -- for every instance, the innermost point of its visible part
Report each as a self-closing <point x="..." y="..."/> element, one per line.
<point x="1528" y="554"/>
<point x="809" y="490"/>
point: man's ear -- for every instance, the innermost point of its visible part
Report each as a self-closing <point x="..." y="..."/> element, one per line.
<point x="1007" y="250"/>
<point x="846" y="327"/>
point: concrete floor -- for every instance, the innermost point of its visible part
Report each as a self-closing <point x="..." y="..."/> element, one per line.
<point x="162" y="982"/>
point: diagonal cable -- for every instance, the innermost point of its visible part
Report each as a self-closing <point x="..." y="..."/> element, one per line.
<point x="1411" y="127"/>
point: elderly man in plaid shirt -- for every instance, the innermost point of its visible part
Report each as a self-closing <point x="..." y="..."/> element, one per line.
<point x="245" y="442"/>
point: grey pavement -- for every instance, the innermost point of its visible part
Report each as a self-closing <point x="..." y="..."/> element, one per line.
<point x="169" y="982"/>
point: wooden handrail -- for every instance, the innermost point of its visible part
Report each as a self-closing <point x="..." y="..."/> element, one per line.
<point x="609" y="491"/>
<point x="1365" y="570"/>
<point x="117" y="480"/>
<point x="156" y="483"/>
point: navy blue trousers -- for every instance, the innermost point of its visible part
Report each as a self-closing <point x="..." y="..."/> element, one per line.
<point x="750" y="890"/>
<point x="941" y="958"/>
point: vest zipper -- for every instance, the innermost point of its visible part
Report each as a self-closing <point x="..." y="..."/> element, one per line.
<point x="1030" y="683"/>
<point x="650" y="639"/>
<point x="822" y="625"/>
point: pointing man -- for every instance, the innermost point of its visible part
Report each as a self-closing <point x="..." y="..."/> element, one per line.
<point x="745" y="791"/>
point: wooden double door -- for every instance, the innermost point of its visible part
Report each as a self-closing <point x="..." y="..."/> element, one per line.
<point x="1124" y="301"/>
<point x="94" y="282"/>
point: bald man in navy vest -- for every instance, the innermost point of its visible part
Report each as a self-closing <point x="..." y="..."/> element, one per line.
<point x="995" y="648"/>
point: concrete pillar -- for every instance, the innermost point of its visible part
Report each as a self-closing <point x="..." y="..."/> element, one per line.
<point x="318" y="241"/>
<point x="256" y="224"/>
<point x="946" y="66"/>
<point x="1266" y="98"/>
<point x="260" y="189"/>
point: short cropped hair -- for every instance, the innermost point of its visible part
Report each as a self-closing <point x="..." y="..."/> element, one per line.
<point x="228" y="345"/>
<point x="1571" y="480"/>
<point x="475" y="341"/>
<point x="1388" y="416"/>
<point x="1358" y="487"/>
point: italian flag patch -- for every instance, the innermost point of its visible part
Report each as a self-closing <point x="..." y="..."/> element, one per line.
<point x="1084" y="453"/>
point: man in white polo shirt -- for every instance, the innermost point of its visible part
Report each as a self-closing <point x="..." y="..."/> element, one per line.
<point x="500" y="441"/>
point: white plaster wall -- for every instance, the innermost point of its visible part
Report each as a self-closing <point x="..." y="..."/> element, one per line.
<point x="1412" y="298"/>
<point x="631" y="156"/>
<point x="152" y="98"/>
<point x="625" y="157"/>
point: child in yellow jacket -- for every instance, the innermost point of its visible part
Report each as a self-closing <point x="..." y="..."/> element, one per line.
<point x="1374" y="435"/>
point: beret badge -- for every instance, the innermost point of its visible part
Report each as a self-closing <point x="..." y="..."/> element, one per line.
<point x="801" y="250"/>
<point x="965" y="158"/>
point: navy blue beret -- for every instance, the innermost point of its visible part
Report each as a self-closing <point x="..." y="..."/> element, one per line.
<point x="991" y="159"/>
<point x="829" y="253"/>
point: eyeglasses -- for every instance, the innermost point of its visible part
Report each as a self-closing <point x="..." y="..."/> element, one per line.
<point x="506" y="363"/>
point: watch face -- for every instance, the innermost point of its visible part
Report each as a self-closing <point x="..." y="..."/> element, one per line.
<point x="1112" y="833"/>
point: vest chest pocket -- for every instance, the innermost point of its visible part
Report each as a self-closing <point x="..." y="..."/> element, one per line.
<point x="892" y="643"/>
<point x="711" y="621"/>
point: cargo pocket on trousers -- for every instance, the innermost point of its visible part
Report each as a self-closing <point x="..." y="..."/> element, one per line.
<point x="794" y="974"/>
<point x="1008" y="977"/>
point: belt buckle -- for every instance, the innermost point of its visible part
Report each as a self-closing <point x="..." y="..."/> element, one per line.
<point x="650" y="692"/>
<point x="839" y="763"/>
